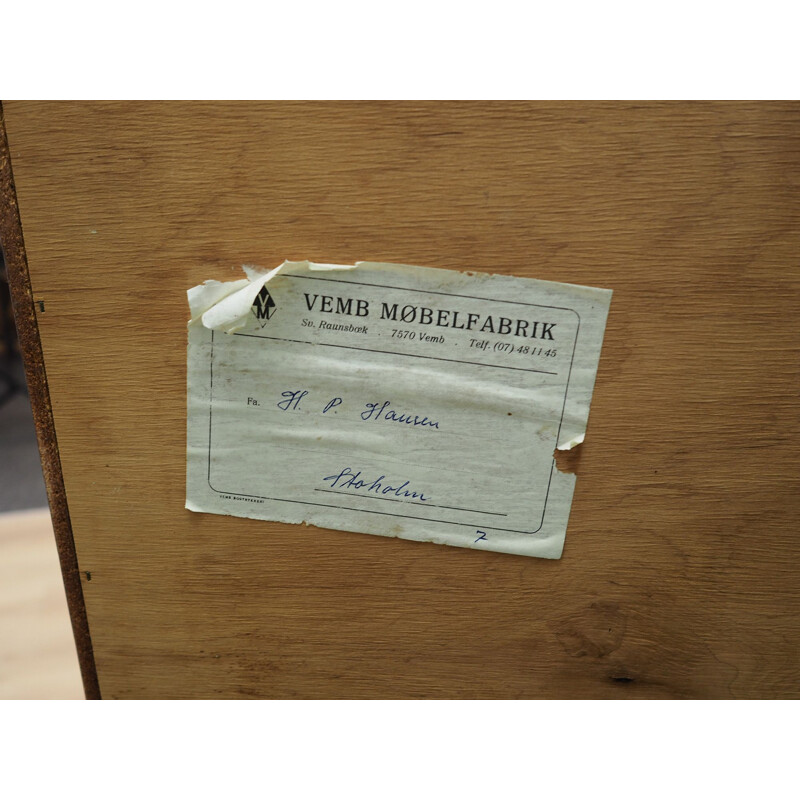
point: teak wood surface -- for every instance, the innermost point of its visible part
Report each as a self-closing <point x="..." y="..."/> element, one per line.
<point x="680" y="573"/>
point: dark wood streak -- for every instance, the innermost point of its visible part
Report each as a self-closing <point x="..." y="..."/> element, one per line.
<point x="31" y="347"/>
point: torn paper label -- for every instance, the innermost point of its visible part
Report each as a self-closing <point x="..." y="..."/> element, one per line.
<point x="226" y="306"/>
<point x="394" y="400"/>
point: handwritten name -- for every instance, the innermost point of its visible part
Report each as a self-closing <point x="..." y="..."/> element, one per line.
<point x="376" y="411"/>
<point x="292" y="399"/>
<point x="347" y="479"/>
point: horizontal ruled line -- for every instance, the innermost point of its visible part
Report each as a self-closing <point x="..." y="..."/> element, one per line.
<point x="393" y="353"/>
<point x="412" y="502"/>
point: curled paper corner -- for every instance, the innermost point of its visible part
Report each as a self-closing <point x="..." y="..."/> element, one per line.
<point x="573" y="442"/>
<point x="225" y="305"/>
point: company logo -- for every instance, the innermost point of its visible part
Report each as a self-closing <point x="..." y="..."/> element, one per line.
<point x="263" y="306"/>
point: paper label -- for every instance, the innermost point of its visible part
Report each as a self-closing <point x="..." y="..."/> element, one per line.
<point x="393" y="400"/>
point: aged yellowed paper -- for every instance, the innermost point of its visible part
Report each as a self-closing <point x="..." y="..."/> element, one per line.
<point x="393" y="400"/>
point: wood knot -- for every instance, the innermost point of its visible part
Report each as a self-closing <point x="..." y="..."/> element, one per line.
<point x="595" y="631"/>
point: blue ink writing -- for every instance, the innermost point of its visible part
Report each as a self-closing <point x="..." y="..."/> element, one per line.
<point x="292" y="400"/>
<point x="482" y="536"/>
<point x="347" y="479"/>
<point x="336" y="401"/>
<point x="376" y="411"/>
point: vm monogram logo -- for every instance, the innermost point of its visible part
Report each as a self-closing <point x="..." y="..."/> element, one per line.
<point x="263" y="306"/>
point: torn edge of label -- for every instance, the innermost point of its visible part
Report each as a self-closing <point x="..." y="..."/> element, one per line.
<point x="570" y="443"/>
<point x="225" y="305"/>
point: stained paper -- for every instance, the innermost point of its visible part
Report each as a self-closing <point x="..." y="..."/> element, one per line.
<point x="394" y="400"/>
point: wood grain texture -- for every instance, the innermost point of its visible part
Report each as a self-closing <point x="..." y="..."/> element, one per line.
<point x="36" y="376"/>
<point x="680" y="574"/>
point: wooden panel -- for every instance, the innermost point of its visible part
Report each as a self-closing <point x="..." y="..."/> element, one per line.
<point x="680" y="572"/>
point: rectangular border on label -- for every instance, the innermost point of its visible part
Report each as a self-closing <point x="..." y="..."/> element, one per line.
<point x="409" y="355"/>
